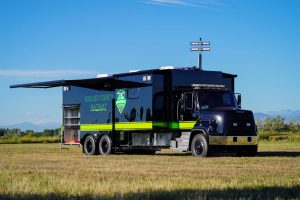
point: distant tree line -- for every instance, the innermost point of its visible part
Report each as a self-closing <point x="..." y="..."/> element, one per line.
<point x="17" y="132"/>
<point x="278" y="124"/>
<point x="16" y="136"/>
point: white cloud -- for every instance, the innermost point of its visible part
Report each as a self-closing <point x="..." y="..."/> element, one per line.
<point x="193" y="3"/>
<point x="29" y="114"/>
<point x="43" y="73"/>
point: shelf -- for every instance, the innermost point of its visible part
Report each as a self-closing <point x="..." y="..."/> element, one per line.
<point x="72" y="125"/>
<point x="77" y="117"/>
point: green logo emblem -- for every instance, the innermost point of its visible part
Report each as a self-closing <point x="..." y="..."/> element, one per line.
<point x="121" y="100"/>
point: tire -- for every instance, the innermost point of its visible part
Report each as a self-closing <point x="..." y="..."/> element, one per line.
<point x="199" y="146"/>
<point x="105" y="145"/>
<point x="247" y="151"/>
<point x="89" y="145"/>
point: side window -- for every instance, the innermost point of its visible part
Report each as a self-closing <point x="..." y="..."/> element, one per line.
<point x="158" y="106"/>
<point x="188" y="101"/>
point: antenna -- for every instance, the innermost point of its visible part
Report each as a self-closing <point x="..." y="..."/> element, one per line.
<point x="200" y="46"/>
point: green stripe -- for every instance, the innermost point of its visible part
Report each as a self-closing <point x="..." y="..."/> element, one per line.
<point x="184" y="125"/>
<point x="160" y="124"/>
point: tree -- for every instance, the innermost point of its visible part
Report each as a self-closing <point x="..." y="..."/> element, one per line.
<point x="267" y="124"/>
<point x="278" y="124"/>
<point x="260" y="124"/>
<point x="293" y="126"/>
<point x="30" y="133"/>
<point x="51" y="132"/>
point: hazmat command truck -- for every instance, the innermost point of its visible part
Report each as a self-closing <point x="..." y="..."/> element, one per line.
<point x="186" y="109"/>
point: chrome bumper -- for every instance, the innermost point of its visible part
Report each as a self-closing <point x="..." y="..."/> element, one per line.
<point x="233" y="140"/>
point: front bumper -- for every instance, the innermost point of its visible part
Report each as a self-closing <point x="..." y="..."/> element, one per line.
<point x="233" y="140"/>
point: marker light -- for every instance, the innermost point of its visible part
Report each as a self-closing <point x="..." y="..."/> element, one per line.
<point x="166" y="67"/>
<point x="134" y="70"/>
<point x="102" y="75"/>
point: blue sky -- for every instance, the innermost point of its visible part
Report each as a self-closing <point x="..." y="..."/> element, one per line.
<point x="48" y="40"/>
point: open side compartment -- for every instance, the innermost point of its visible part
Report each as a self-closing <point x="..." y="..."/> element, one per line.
<point x="71" y="122"/>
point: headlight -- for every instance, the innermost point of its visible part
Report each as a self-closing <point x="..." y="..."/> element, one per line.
<point x="214" y="124"/>
<point x="219" y="118"/>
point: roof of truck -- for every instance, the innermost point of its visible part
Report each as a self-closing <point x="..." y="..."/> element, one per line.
<point x="110" y="82"/>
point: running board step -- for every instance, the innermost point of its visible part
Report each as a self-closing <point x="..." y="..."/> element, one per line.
<point x="181" y="144"/>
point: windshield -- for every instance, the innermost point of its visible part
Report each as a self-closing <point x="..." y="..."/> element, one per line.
<point x="213" y="99"/>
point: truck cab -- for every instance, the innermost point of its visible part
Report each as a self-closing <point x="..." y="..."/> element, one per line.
<point x="220" y="123"/>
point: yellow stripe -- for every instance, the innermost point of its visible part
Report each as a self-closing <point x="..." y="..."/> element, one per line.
<point x="187" y="124"/>
<point x="96" y="127"/>
<point x="133" y="125"/>
<point x="118" y="126"/>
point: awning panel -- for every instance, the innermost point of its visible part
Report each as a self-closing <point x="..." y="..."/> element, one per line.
<point x="109" y="83"/>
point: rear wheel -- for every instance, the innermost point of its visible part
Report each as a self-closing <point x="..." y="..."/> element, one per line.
<point x="89" y="145"/>
<point x="105" y="145"/>
<point x="199" y="146"/>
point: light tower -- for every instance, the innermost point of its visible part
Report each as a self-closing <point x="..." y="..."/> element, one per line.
<point x="200" y="46"/>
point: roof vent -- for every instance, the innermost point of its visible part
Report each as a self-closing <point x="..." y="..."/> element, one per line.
<point x="134" y="70"/>
<point x="102" y="75"/>
<point x="167" y="67"/>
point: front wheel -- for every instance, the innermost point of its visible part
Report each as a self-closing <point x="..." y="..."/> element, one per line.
<point x="105" y="145"/>
<point x="199" y="146"/>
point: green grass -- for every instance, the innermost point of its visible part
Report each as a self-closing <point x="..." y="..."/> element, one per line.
<point x="36" y="171"/>
<point x="26" y="139"/>
<point x="279" y="136"/>
<point x="29" y="139"/>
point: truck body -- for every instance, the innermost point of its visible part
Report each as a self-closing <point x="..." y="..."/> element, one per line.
<point x="186" y="109"/>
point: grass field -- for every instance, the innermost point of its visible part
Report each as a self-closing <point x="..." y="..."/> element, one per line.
<point x="34" y="171"/>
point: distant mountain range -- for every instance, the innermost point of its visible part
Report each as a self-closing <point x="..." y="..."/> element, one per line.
<point x="286" y="114"/>
<point x="30" y="126"/>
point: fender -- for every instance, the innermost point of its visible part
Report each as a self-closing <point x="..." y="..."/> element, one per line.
<point x="196" y="130"/>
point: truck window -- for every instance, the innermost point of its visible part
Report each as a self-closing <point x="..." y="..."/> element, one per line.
<point x="214" y="99"/>
<point x="158" y="105"/>
<point x="188" y="101"/>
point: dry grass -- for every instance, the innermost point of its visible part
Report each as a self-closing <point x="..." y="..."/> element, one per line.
<point x="33" y="171"/>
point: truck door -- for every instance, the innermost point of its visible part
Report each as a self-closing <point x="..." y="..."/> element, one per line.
<point x="187" y="107"/>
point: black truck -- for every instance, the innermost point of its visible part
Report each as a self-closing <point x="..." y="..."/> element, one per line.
<point x="186" y="109"/>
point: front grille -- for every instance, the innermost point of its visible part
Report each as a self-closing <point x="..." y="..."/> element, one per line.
<point x="240" y="123"/>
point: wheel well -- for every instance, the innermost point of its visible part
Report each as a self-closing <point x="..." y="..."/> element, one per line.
<point x="195" y="132"/>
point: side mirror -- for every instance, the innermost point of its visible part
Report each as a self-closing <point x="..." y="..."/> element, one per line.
<point x="239" y="100"/>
